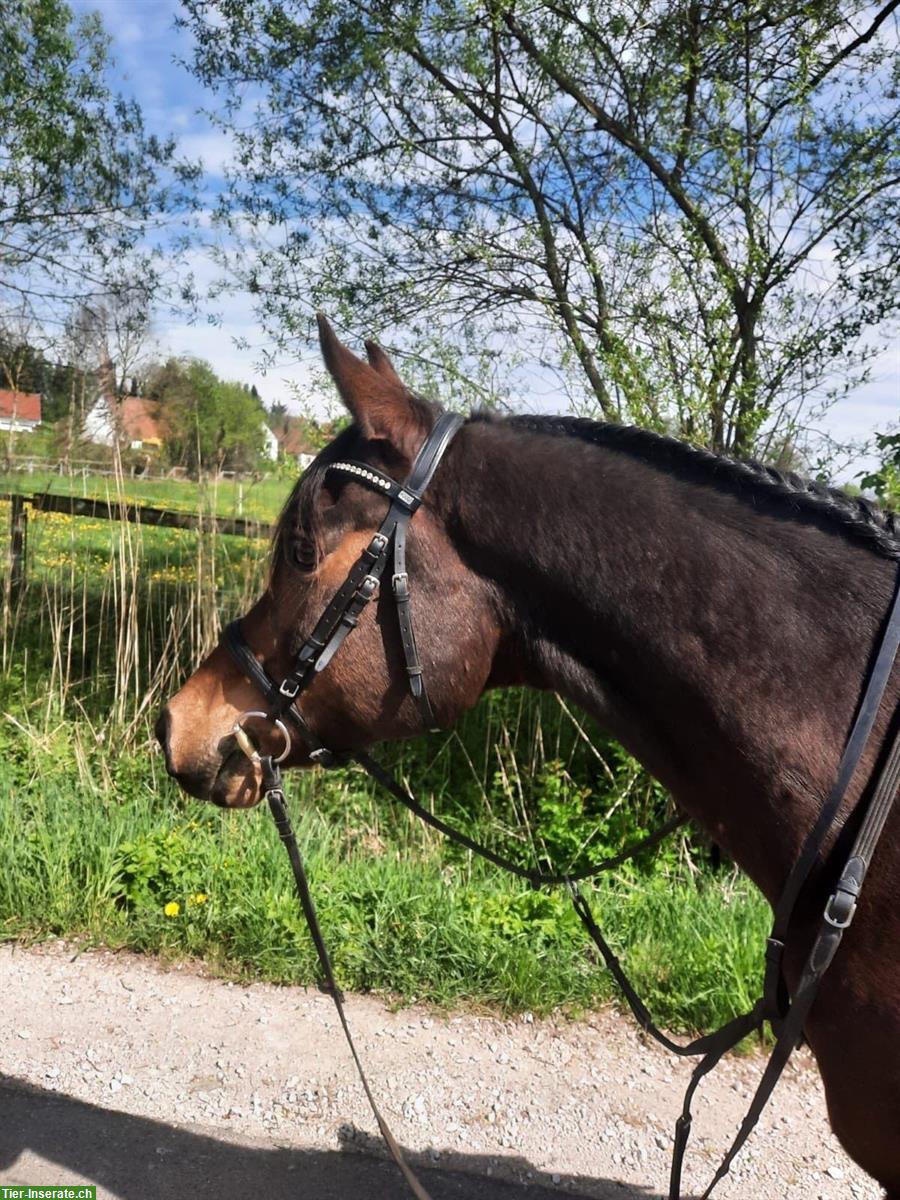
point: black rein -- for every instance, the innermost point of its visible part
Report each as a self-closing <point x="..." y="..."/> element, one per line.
<point x="787" y="1015"/>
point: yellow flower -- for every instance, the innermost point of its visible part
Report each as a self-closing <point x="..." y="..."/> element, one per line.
<point x="198" y="898"/>
<point x="172" y="909"/>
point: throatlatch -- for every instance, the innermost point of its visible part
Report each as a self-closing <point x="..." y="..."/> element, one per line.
<point x="787" y="1014"/>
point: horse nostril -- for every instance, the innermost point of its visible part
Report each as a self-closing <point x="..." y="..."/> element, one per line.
<point x="191" y="777"/>
<point x="163" y="729"/>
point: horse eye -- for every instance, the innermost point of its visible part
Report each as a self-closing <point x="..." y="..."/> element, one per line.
<point x="305" y="556"/>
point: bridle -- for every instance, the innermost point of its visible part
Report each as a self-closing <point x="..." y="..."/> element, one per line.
<point x="786" y="1014"/>
<point x="342" y="612"/>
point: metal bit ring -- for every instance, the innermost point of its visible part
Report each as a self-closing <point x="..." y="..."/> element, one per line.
<point x="243" y="739"/>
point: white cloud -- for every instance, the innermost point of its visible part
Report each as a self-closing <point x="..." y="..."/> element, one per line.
<point x="870" y="409"/>
<point x="213" y="147"/>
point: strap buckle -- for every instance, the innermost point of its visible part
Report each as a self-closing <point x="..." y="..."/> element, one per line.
<point x="840" y="909"/>
<point x="367" y="588"/>
<point x="400" y="584"/>
<point x="322" y="757"/>
<point x="289" y="688"/>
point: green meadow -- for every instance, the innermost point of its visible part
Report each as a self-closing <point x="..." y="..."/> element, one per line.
<point x="255" y="500"/>
<point x="98" y="844"/>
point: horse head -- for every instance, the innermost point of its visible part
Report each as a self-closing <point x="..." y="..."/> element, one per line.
<point x="330" y="518"/>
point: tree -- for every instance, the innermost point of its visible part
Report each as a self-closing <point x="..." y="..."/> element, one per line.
<point x="83" y="186"/>
<point x="110" y="335"/>
<point x="21" y="365"/>
<point x="210" y="424"/>
<point x="686" y="211"/>
<point x="885" y="480"/>
<point x="277" y="416"/>
<point x="24" y="367"/>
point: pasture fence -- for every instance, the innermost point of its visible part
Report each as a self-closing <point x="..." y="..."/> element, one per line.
<point x="110" y="510"/>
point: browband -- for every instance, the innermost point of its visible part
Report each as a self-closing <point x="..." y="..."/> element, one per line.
<point x="342" y="612"/>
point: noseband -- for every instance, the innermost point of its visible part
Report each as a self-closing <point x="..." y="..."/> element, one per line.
<point x="342" y="613"/>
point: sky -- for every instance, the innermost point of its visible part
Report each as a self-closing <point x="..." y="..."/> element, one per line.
<point x="146" y="46"/>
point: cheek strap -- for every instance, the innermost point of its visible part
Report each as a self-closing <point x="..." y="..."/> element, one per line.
<point x="341" y="615"/>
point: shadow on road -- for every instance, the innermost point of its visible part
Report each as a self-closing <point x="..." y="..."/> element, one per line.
<point x="48" y="1137"/>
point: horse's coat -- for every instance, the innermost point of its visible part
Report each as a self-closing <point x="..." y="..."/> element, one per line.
<point x="717" y="619"/>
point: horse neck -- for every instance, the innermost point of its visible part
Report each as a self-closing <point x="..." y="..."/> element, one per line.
<point x="723" y="646"/>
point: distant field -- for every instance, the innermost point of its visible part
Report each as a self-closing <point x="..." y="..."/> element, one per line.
<point x="81" y="552"/>
<point x="260" y="501"/>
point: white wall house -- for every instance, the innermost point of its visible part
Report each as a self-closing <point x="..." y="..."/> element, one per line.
<point x="271" y="444"/>
<point x="20" y="412"/>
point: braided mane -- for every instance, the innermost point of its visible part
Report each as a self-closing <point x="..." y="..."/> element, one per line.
<point x="857" y="517"/>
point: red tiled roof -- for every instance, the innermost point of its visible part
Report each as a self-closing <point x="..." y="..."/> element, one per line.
<point x="140" y="419"/>
<point x="293" y="438"/>
<point x="25" y="406"/>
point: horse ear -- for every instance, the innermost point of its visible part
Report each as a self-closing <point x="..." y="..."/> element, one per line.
<point x="381" y="363"/>
<point x="372" y="391"/>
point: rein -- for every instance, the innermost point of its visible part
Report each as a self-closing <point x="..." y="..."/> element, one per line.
<point x="786" y="1014"/>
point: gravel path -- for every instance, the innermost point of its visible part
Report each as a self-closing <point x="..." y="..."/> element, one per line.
<point x="160" y="1082"/>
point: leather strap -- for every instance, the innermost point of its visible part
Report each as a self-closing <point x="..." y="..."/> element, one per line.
<point x="535" y="877"/>
<point x="870" y="706"/>
<point x="340" y="618"/>
<point x="838" y="914"/>
<point x="275" y="797"/>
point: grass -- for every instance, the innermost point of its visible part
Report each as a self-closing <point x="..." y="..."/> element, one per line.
<point x="259" y="500"/>
<point x="97" y="843"/>
<point x="108" y="858"/>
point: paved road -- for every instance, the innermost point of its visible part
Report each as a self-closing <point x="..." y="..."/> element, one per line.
<point x="46" y="1138"/>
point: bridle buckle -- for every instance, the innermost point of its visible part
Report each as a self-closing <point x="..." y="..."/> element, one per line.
<point x="841" y="909"/>
<point x="368" y="587"/>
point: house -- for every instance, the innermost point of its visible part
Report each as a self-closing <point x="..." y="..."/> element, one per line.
<point x="294" y="441"/>
<point x="271" y="443"/>
<point x="133" y="422"/>
<point x="20" y="412"/>
<point x="140" y="423"/>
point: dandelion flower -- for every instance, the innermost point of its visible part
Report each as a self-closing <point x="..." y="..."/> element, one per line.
<point x="172" y="909"/>
<point x="198" y="898"/>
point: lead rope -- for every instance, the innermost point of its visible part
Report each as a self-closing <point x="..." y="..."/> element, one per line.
<point x="274" y="794"/>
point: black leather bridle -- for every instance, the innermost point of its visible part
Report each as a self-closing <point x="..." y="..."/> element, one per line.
<point x="787" y="1014"/>
<point x="342" y="612"/>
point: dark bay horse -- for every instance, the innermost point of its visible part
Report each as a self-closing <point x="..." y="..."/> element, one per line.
<point x="717" y="618"/>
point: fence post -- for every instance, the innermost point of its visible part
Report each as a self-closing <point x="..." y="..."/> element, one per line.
<point x="18" y="531"/>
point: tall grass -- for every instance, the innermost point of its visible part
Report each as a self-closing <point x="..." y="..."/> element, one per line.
<point x="113" y="854"/>
<point x="113" y="616"/>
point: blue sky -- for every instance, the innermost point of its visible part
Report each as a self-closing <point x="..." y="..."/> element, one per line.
<point x="146" y="45"/>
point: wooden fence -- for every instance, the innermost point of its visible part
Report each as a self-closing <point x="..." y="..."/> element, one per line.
<point x="105" y="510"/>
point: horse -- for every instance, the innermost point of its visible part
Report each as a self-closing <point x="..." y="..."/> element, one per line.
<point x="717" y="617"/>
